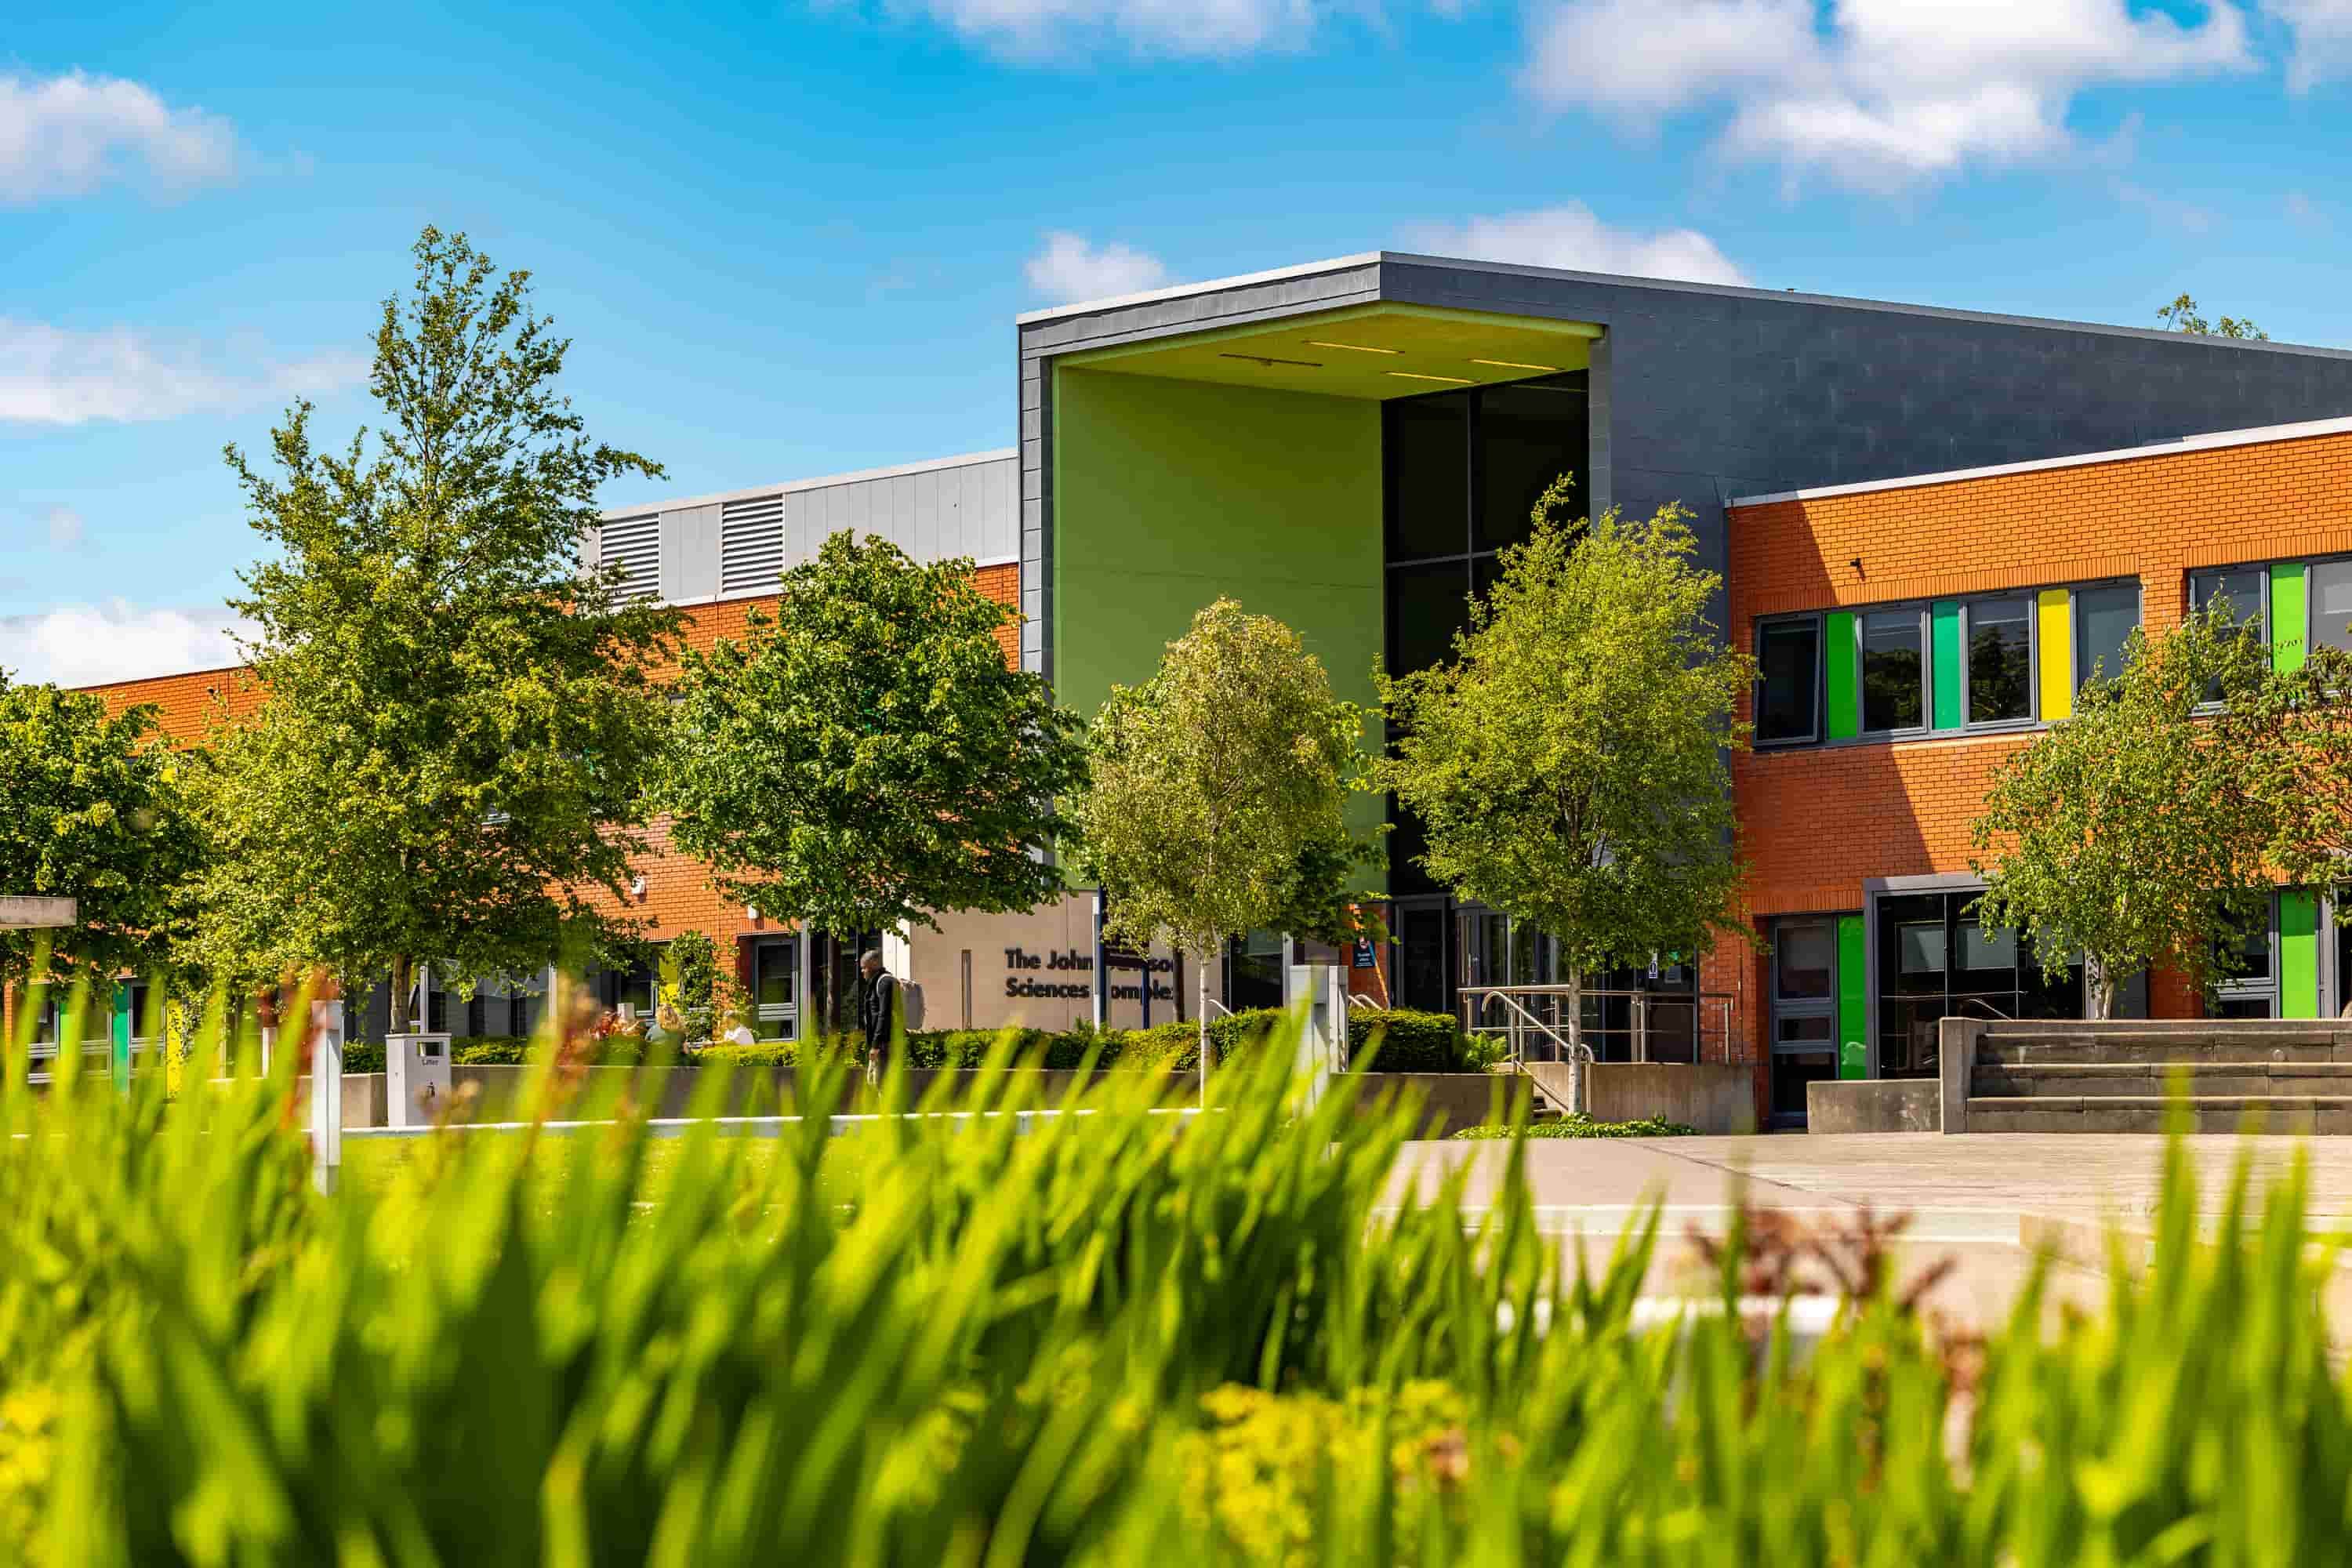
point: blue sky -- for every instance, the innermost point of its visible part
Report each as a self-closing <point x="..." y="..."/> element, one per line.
<point x="791" y="239"/>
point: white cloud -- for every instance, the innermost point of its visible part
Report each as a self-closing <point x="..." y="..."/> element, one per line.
<point x="1883" y="94"/>
<point x="2167" y="211"/>
<point x="1570" y="236"/>
<point x="1030" y="28"/>
<point x="53" y="376"/>
<point x="1071" y="268"/>
<point x="2322" y="40"/>
<point x="88" y="645"/>
<point x="64" y="527"/>
<point x="66" y="135"/>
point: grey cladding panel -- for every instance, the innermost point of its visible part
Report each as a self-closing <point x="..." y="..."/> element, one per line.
<point x="740" y="544"/>
<point x="689" y="553"/>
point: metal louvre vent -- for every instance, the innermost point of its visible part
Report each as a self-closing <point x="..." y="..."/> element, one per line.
<point x="634" y="544"/>
<point x="751" y="544"/>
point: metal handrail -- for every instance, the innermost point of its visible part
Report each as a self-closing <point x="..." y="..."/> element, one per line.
<point x="1514" y="1034"/>
<point x="1514" y="1031"/>
<point x="1711" y="1013"/>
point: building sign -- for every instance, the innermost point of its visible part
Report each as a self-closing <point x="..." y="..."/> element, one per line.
<point x="1031" y="973"/>
<point x="1362" y="957"/>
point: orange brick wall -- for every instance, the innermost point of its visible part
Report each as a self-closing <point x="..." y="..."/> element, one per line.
<point x="1817" y="821"/>
<point x="678" y="895"/>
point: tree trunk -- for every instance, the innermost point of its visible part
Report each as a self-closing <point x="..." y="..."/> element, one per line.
<point x="1207" y="1050"/>
<point x="404" y="976"/>
<point x="2100" y="988"/>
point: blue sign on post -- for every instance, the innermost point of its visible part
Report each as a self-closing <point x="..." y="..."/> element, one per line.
<point x="1363" y="957"/>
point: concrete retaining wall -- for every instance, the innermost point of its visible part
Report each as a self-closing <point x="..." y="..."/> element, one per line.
<point x="1874" y="1105"/>
<point x="1716" y="1097"/>
<point x="363" y="1098"/>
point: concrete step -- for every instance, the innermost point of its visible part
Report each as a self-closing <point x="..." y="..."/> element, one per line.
<point x="2036" y="1080"/>
<point x="2320" y="1113"/>
<point x="2317" y="1045"/>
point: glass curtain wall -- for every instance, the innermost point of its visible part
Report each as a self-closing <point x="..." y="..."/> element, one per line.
<point x="1463" y="473"/>
<point x="1936" y="962"/>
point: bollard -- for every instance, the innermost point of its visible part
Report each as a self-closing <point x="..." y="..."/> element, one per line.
<point x="326" y="1094"/>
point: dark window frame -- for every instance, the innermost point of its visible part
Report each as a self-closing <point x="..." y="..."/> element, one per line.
<point x="2075" y="674"/>
<point x="2032" y="599"/>
<point x="1921" y="610"/>
<point x="1817" y="621"/>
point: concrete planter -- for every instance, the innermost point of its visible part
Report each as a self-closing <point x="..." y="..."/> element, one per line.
<point x="1874" y="1105"/>
<point x="1716" y="1097"/>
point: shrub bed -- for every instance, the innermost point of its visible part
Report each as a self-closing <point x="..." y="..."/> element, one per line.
<point x="1576" y="1124"/>
<point x="1408" y="1042"/>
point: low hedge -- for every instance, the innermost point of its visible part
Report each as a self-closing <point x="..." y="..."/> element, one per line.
<point x="1576" y="1124"/>
<point x="495" y="1050"/>
<point x="1408" y="1042"/>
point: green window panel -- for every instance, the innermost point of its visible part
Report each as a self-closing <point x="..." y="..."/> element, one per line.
<point x="1841" y="659"/>
<point x="1854" y="999"/>
<point x="2298" y="955"/>
<point x="2288" y="617"/>
<point x="1944" y="618"/>
<point x="118" y="1055"/>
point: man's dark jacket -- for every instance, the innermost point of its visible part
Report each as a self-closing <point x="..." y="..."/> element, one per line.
<point x="878" y="1010"/>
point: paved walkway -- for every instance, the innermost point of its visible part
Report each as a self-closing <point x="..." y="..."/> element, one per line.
<point x="1971" y="1198"/>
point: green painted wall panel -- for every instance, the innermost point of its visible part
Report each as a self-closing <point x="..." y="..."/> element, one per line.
<point x="2298" y="955"/>
<point x="1951" y="711"/>
<point x="1841" y="657"/>
<point x="1168" y="493"/>
<point x="1853" y="998"/>
<point x="2288" y="617"/>
<point x="118" y="1038"/>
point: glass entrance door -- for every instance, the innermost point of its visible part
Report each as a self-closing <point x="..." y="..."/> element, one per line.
<point x="1423" y="955"/>
<point x="1804" y="1012"/>
<point x="775" y="985"/>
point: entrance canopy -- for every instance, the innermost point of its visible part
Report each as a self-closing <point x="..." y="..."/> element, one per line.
<point x="1376" y="352"/>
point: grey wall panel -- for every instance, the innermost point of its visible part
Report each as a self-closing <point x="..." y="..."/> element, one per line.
<point x="929" y="524"/>
<point x="803" y="525"/>
<point x="902" y="511"/>
<point x="1001" y="528"/>
<point x="689" y="559"/>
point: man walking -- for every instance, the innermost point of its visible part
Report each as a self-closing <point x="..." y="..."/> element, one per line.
<point x="878" y="1011"/>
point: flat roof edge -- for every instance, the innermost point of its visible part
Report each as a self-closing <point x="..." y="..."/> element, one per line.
<point x="823" y="481"/>
<point x="2254" y="437"/>
<point x="1673" y="285"/>
<point x="1208" y="286"/>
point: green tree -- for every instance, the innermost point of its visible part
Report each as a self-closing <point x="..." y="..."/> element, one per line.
<point x="2298" y="725"/>
<point x="95" y="811"/>
<point x="1218" y="796"/>
<point x="456" y="722"/>
<point x="2137" y="832"/>
<point x="864" y="757"/>
<point x="1568" y="764"/>
<point x="2181" y="316"/>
